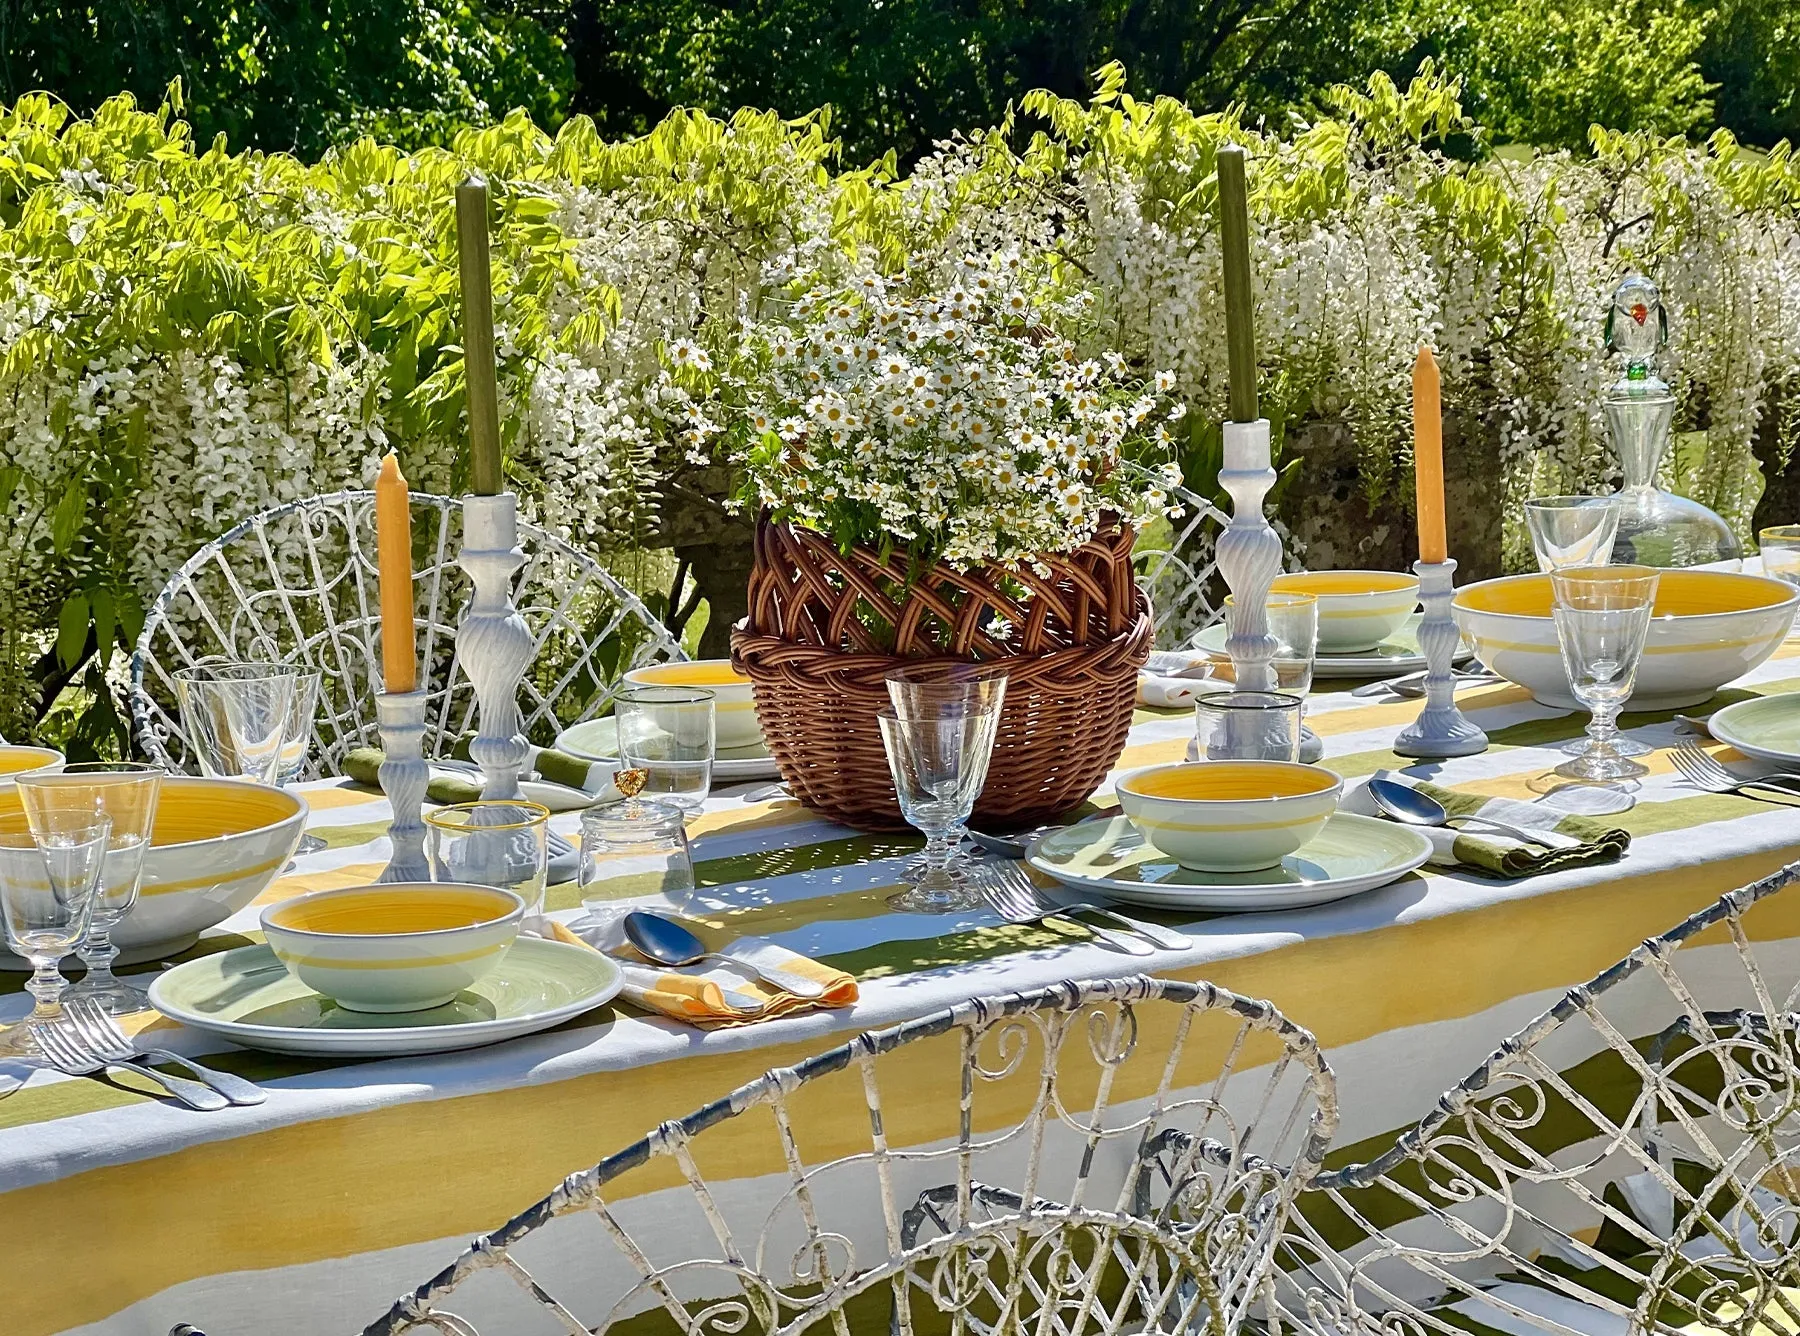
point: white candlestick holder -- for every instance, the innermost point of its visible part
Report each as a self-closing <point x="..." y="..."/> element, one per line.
<point x="492" y="640"/>
<point x="1249" y="555"/>
<point x="1441" y="729"/>
<point x="403" y="776"/>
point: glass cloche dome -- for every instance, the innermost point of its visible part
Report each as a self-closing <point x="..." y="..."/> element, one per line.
<point x="1656" y="528"/>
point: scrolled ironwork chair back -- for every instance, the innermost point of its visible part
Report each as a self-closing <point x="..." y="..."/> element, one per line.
<point x="999" y="1167"/>
<point x="1176" y="565"/>
<point x="299" y="583"/>
<point x="1626" y="1163"/>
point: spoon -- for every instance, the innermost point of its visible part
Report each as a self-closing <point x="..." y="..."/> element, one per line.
<point x="1411" y="808"/>
<point x="668" y="943"/>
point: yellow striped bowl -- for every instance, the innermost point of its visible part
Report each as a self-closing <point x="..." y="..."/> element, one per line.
<point x="734" y="707"/>
<point x="1229" y="816"/>
<point x="1357" y="609"/>
<point x="215" y="847"/>
<point x="403" y="946"/>
<point x="22" y="760"/>
<point x="1709" y="628"/>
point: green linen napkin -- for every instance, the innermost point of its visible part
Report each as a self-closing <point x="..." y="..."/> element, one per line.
<point x="363" y="764"/>
<point x="1579" y="840"/>
<point x="553" y="767"/>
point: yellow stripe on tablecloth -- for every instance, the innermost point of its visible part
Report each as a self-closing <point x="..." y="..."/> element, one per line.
<point x="389" y="1177"/>
<point x="329" y="879"/>
<point x="346" y="795"/>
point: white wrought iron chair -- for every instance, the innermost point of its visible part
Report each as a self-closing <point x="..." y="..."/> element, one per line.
<point x="1623" y="1164"/>
<point x="1178" y="570"/>
<point x="299" y="583"/>
<point x="1001" y="1166"/>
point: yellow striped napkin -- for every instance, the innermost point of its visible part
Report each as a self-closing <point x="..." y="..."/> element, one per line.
<point x="716" y="996"/>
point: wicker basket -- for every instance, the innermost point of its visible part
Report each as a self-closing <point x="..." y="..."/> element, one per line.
<point x="816" y="647"/>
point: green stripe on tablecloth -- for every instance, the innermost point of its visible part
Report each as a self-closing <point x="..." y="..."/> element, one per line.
<point x="764" y="864"/>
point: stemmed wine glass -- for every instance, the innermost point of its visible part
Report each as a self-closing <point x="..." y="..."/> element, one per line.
<point x="939" y="735"/>
<point x="1572" y="530"/>
<point x="1602" y="620"/>
<point x="125" y="792"/>
<point x="251" y="720"/>
<point x="47" y="885"/>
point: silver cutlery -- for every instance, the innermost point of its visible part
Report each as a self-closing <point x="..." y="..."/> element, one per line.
<point x="1413" y="684"/>
<point x="1703" y="772"/>
<point x="669" y="943"/>
<point x="107" y="1040"/>
<point x="71" y="1056"/>
<point x="1411" y="808"/>
<point x="1012" y="895"/>
<point x="1701" y="726"/>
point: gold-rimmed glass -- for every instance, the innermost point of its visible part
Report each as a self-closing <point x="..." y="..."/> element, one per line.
<point x="492" y="843"/>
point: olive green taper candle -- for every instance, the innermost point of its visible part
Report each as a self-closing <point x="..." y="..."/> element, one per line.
<point x="1240" y="312"/>
<point x="478" y="337"/>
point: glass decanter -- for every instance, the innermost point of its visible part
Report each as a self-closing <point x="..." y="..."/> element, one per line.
<point x="1656" y="528"/>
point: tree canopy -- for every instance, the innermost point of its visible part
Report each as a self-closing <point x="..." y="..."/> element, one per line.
<point x="903" y="74"/>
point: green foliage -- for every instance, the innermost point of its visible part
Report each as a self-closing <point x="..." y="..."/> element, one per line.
<point x="299" y="76"/>
<point x="1543" y="71"/>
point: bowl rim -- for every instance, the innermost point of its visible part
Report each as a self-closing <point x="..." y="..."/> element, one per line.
<point x="51" y="753"/>
<point x="514" y="914"/>
<point x="301" y="809"/>
<point x="1410" y="584"/>
<point x="738" y="679"/>
<point x="1335" y="787"/>
<point x="1792" y="591"/>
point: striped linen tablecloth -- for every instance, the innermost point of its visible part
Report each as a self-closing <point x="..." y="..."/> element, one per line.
<point x="123" y="1214"/>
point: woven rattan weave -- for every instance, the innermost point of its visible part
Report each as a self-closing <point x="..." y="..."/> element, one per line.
<point x="825" y="627"/>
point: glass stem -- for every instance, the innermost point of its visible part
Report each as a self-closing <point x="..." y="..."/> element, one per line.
<point x="45" y="986"/>
<point x="939" y="849"/>
<point x="98" y="954"/>
<point x="1603" y="727"/>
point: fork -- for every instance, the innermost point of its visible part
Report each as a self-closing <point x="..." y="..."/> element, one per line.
<point x="1703" y="772"/>
<point x="71" y="1056"/>
<point x="104" y="1036"/>
<point x="1413" y="685"/>
<point x="1010" y="893"/>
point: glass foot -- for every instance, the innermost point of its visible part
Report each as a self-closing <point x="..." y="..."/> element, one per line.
<point x="16" y="1042"/>
<point x="948" y="891"/>
<point x="114" y="996"/>
<point x="1601" y="765"/>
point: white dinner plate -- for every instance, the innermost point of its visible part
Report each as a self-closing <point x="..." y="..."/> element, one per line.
<point x="1351" y="854"/>
<point x="247" y="996"/>
<point x="598" y="740"/>
<point x="1397" y="655"/>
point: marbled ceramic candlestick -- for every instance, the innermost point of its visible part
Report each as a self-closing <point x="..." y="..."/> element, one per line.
<point x="1441" y="729"/>
<point x="492" y="640"/>
<point x="404" y="775"/>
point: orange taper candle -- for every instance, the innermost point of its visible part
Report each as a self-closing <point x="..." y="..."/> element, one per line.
<point x="393" y="547"/>
<point x="1428" y="455"/>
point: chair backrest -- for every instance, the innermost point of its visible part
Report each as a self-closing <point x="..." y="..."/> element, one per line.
<point x="1176" y="567"/>
<point x="1625" y="1163"/>
<point x="299" y="583"/>
<point x="1008" y="1162"/>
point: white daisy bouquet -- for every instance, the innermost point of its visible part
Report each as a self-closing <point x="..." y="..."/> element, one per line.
<point x="951" y="415"/>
